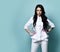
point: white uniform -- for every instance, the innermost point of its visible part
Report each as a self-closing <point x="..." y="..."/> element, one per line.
<point x="40" y="34"/>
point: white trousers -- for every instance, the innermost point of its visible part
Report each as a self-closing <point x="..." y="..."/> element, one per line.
<point x="43" y="43"/>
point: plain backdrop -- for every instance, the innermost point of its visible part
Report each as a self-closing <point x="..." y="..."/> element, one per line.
<point x="13" y="16"/>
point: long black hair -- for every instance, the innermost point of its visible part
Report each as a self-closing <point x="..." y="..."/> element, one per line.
<point x="43" y="16"/>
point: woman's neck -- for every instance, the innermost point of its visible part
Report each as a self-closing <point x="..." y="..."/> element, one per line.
<point x="38" y="16"/>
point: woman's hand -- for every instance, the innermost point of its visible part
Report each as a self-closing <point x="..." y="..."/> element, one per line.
<point x="49" y="30"/>
<point x="32" y="33"/>
<point x="29" y="32"/>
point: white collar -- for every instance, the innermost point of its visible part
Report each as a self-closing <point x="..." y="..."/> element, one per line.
<point x="38" y="16"/>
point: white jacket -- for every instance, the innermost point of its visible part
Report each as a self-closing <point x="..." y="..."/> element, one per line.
<point x="40" y="34"/>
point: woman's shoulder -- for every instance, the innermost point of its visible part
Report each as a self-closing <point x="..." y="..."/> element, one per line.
<point x="31" y="17"/>
<point x="48" y="19"/>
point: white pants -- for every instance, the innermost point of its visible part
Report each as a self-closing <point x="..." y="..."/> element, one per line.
<point x="43" y="43"/>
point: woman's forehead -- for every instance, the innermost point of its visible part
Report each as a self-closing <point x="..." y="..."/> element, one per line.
<point x="38" y="8"/>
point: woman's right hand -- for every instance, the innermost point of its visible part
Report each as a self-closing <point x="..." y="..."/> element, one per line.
<point x="32" y="33"/>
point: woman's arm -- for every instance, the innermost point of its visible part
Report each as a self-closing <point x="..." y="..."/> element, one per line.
<point x="51" y="24"/>
<point x="26" y="26"/>
<point x="29" y="32"/>
<point x="50" y="29"/>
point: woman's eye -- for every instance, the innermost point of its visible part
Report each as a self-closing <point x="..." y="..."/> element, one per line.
<point x="38" y="10"/>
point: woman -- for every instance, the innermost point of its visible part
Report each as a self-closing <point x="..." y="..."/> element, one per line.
<point x="40" y="26"/>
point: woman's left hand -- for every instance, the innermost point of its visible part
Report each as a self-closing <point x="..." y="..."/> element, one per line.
<point x="49" y="29"/>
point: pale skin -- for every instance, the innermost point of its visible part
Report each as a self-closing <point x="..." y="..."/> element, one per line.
<point x="39" y="12"/>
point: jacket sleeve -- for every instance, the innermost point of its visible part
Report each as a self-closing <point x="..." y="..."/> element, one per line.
<point x="28" y="23"/>
<point x="51" y="23"/>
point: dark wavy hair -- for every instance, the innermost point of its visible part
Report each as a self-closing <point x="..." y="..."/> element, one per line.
<point x="43" y="16"/>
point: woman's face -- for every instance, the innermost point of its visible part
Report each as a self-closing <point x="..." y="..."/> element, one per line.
<point x="39" y="11"/>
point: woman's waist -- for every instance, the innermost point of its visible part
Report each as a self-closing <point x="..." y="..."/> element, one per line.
<point x="39" y="30"/>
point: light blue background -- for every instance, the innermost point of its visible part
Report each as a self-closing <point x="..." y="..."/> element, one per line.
<point x="15" y="13"/>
